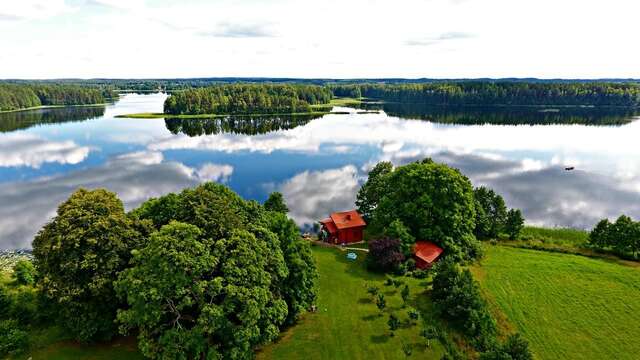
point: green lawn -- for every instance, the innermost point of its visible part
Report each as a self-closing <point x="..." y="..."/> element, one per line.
<point x="347" y="324"/>
<point x="53" y="344"/>
<point x="567" y="306"/>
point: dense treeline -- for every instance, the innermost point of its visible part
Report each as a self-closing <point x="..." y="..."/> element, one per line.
<point x="26" y="119"/>
<point x="500" y="93"/>
<point x="621" y="237"/>
<point x="22" y="96"/>
<point x="247" y="99"/>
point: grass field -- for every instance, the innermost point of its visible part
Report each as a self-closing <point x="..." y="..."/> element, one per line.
<point x="567" y="306"/>
<point x="347" y="324"/>
<point x="556" y="236"/>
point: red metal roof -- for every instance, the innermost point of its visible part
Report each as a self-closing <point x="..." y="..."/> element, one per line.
<point x="330" y="225"/>
<point x="427" y="251"/>
<point x="347" y="219"/>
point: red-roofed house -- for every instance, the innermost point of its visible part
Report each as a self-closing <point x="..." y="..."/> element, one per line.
<point x="426" y="253"/>
<point x="343" y="227"/>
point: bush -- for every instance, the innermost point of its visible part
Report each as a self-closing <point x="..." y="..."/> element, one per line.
<point x="24" y="272"/>
<point x="25" y="307"/>
<point x="515" y="348"/>
<point x="12" y="339"/>
<point x="5" y="302"/>
<point x="384" y="254"/>
<point x="420" y="274"/>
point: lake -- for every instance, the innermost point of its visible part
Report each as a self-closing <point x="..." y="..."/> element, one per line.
<point x="318" y="163"/>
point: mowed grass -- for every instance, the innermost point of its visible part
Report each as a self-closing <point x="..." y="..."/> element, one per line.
<point x="347" y="324"/>
<point x="566" y="306"/>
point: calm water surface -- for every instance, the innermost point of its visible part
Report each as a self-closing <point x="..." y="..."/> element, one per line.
<point x="318" y="164"/>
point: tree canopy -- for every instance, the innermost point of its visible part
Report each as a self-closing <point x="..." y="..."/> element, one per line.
<point x="433" y="201"/>
<point x="276" y="203"/>
<point x="221" y="275"/>
<point x="247" y="99"/>
<point x="500" y="93"/>
<point x="78" y="256"/>
<point x="22" y="96"/>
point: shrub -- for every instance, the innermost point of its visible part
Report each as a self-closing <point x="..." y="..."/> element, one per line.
<point x="5" y="302"/>
<point x="381" y="303"/>
<point x="393" y="322"/>
<point x="384" y="254"/>
<point x="515" y="348"/>
<point x="25" y="307"/>
<point x="24" y="272"/>
<point x="12" y="339"/>
<point x="420" y="274"/>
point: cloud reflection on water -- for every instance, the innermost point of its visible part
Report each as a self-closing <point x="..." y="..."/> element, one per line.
<point x="329" y="159"/>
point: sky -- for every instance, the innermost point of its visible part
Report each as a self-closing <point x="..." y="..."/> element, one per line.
<point x="319" y="39"/>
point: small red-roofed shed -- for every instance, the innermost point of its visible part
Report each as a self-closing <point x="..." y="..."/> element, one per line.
<point x="426" y="253"/>
<point x="343" y="227"/>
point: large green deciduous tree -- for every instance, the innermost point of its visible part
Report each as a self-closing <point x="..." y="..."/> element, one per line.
<point x="434" y="202"/>
<point x="194" y="297"/>
<point x="514" y="223"/>
<point x="251" y="274"/>
<point x="372" y="191"/>
<point x="491" y="213"/>
<point x="299" y="287"/>
<point x="78" y="256"/>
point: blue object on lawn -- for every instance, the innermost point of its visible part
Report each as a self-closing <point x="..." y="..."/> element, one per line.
<point x="352" y="256"/>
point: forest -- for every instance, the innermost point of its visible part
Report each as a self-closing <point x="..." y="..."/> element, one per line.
<point x="499" y="93"/>
<point x="23" y="96"/>
<point x="247" y="99"/>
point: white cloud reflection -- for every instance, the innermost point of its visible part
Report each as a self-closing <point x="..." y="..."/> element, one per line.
<point x="23" y="149"/>
<point x="135" y="177"/>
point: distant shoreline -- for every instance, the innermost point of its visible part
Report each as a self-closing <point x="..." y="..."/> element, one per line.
<point x="52" y="107"/>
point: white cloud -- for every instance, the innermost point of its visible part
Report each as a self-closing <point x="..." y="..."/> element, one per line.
<point x="489" y="38"/>
<point x="134" y="177"/>
<point x="22" y="149"/>
<point x="312" y="195"/>
<point x="32" y="9"/>
<point x="215" y="172"/>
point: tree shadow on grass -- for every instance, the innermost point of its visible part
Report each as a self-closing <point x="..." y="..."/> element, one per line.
<point x="379" y="339"/>
<point x="365" y="301"/>
<point x="371" y="317"/>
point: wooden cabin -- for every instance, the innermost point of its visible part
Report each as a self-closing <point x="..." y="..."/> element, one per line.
<point x="426" y="254"/>
<point x="343" y="227"/>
